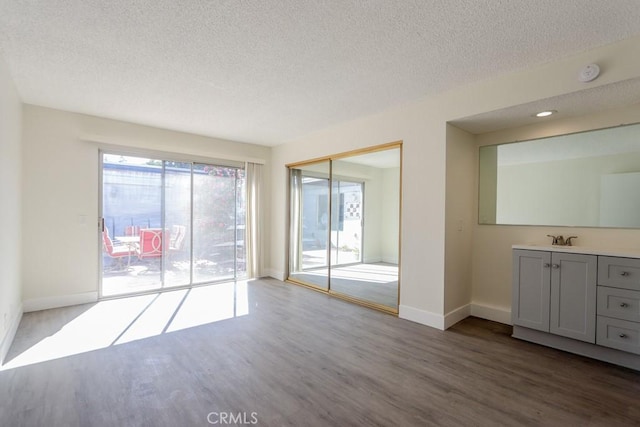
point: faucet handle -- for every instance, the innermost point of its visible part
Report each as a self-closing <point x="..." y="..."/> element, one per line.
<point x="567" y="241"/>
<point x="555" y="239"/>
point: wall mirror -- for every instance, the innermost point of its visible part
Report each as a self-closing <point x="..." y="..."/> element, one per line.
<point x="345" y="225"/>
<point x="586" y="179"/>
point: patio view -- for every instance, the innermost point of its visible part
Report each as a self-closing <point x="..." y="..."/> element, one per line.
<point x="346" y="231"/>
<point x="170" y="224"/>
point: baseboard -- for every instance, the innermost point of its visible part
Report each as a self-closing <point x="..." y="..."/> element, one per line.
<point x="279" y="275"/>
<point x="496" y="314"/>
<point x="37" y="304"/>
<point x="438" y="321"/>
<point x="422" y="316"/>
<point x="5" y="345"/>
<point x="454" y="316"/>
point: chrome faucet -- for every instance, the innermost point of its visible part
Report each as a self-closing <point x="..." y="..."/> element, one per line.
<point x="561" y="241"/>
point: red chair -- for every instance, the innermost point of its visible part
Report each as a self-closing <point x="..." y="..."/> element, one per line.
<point x="151" y="241"/>
<point x="117" y="252"/>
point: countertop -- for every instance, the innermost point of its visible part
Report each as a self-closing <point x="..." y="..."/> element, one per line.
<point x="625" y="253"/>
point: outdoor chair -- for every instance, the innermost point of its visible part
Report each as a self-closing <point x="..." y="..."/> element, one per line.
<point x="151" y="242"/>
<point x="177" y="239"/>
<point x="117" y="252"/>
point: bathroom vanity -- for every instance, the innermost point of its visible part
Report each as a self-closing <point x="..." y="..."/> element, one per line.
<point x="577" y="299"/>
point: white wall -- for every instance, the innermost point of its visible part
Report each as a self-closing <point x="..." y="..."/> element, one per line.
<point x="10" y="182"/>
<point x="558" y="192"/>
<point x="373" y="222"/>
<point x="390" y="227"/>
<point x="492" y="243"/>
<point x="60" y="195"/>
<point x="462" y="168"/>
<point x="620" y="200"/>
<point x="422" y="128"/>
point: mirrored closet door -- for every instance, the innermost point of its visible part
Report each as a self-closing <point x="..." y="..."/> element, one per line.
<point x="345" y="225"/>
<point x="310" y="248"/>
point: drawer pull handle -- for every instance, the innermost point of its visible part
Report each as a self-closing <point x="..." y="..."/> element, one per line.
<point x="547" y="265"/>
<point x="624" y="273"/>
<point x="622" y="335"/>
<point x="624" y="305"/>
<point x="556" y="266"/>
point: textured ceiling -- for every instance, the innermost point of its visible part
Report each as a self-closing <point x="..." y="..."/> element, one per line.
<point x="268" y="71"/>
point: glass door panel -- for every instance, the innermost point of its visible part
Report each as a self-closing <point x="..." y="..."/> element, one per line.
<point x="170" y="224"/>
<point x="310" y="212"/>
<point x="365" y="227"/>
<point x="346" y="222"/>
<point x="240" y="226"/>
<point x="215" y="206"/>
<point x="131" y="237"/>
<point x="177" y="223"/>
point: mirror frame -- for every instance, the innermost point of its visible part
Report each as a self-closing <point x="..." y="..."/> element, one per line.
<point x="342" y="156"/>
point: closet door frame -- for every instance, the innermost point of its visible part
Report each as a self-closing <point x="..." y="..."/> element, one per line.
<point x="330" y="159"/>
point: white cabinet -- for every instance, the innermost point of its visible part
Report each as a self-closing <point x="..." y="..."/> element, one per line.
<point x="555" y="292"/>
<point x="586" y="303"/>
<point x="619" y="303"/>
<point x="531" y="289"/>
<point x="573" y="296"/>
<point x="619" y="334"/>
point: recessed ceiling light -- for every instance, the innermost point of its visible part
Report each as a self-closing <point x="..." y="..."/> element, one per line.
<point x="545" y="113"/>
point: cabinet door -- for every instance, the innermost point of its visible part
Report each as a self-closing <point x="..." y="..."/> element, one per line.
<point x="573" y="296"/>
<point x="531" y="289"/>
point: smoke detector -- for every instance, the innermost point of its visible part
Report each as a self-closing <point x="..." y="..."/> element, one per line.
<point x="589" y="73"/>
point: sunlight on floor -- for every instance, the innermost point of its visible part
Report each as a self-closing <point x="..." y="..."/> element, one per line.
<point x="370" y="273"/>
<point x="124" y="320"/>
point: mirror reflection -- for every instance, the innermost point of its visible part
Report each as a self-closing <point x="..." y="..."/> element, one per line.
<point x="309" y="250"/>
<point x="587" y="179"/>
<point x="346" y="240"/>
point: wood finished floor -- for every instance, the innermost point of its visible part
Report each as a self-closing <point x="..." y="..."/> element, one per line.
<point x="301" y="358"/>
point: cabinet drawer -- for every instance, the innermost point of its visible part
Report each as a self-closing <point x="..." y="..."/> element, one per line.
<point x="619" y="303"/>
<point x="619" y="334"/>
<point x="619" y="272"/>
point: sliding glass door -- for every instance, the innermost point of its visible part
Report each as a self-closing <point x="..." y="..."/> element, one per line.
<point x="345" y="225"/>
<point x="132" y="192"/>
<point x="346" y="222"/>
<point x="218" y="220"/>
<point x="310" y="247"/>
<point x="177" y="220"/>
<point x="169" y="224"/>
